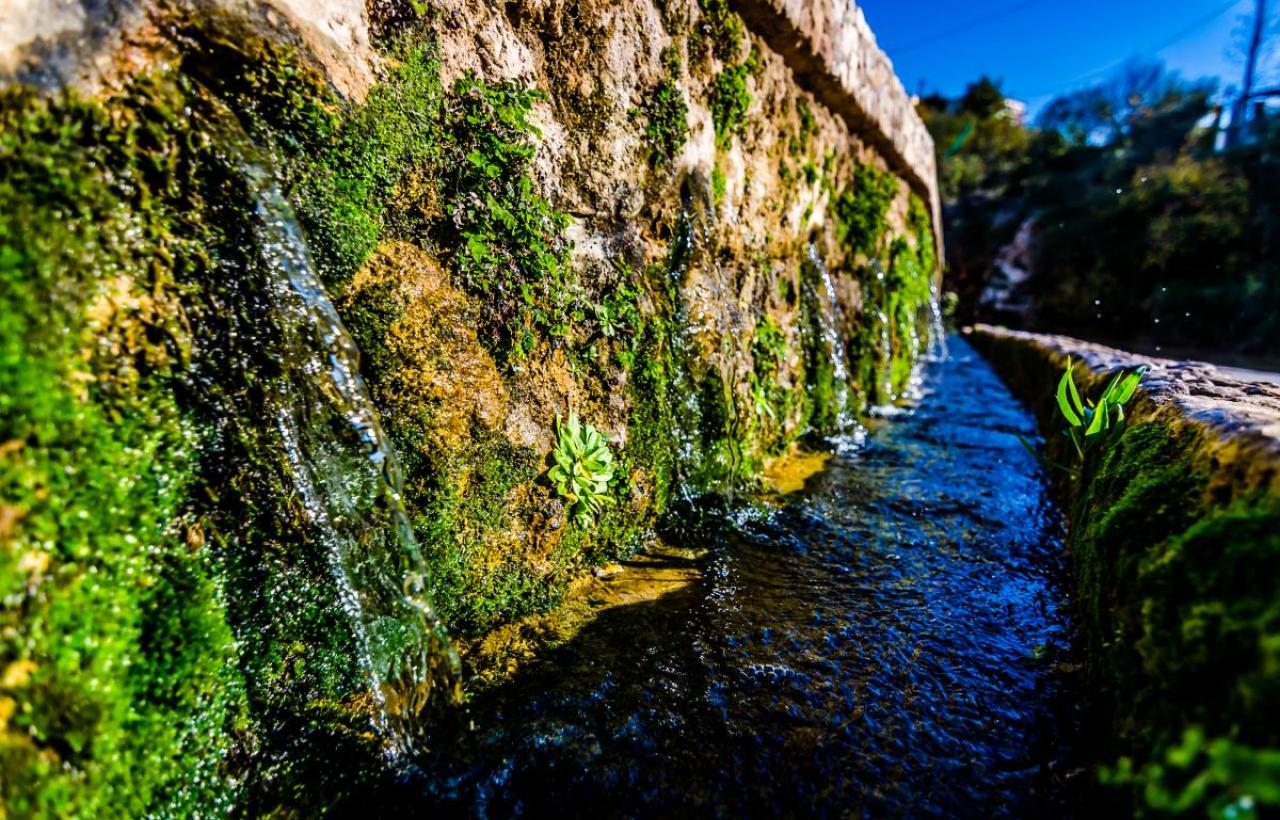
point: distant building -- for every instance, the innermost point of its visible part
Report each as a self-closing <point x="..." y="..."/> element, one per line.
<point x="1015" y="111"/>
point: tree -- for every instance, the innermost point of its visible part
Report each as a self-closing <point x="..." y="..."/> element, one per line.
<point x="1105" y="113"/>
<point x="983" y="99"/>
<point x="1257" y="50"/>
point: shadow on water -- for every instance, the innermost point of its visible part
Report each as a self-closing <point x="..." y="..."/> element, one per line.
<point x="894" y="639"/>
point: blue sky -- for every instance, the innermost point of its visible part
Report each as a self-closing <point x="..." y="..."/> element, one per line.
<point x="1041" y="48"/>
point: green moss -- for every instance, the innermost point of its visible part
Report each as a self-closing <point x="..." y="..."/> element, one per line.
<point x="712" y="421"/>
<point x="800" y="141"/>
<point x="730" y="101"/>
<point x="920" y="224"/>
<point x="823" y="393"/>
<point x="450" y="170"/>
<point x="721" y="29"/>
<point x="130" y="694"/>
<point x="666" y="113"/>
<point x="459" y="505"/>
<point x="772" y="402"/>
<point x="1178" y="591"/>
<point x="861" y="208"/>
<point x="895" y="322"/>
<point x="719" y="184"/>
<point x="118" y="694"/>
<point x="808" y="127"/>
<point x="356" y="174"/>
<point x="908" y="293"/>
<point x="651" y="426"/>
<point x="787" y="291"/>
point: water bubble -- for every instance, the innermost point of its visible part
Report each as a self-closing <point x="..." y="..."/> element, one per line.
<point x="1119" y="191"/>
<point x="1097" y="301"/>
<point x="1157" y="321"/>
<point x="1187" y="314"/>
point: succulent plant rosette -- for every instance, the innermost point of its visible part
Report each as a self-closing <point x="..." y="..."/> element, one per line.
<point x="583" y="468"/>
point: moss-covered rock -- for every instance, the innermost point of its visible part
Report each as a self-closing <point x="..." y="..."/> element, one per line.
<point x="118" y="688"/>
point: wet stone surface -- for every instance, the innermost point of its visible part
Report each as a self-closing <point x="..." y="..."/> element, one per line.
<point x="893" y="639"/>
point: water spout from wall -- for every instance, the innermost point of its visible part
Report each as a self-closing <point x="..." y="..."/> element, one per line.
<point x="831" y="320"/>
<point x="344" y="472"/>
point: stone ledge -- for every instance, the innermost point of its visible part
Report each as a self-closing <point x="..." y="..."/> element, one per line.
<point x="1196" y="391"/>
<point x="1174" y="549"/>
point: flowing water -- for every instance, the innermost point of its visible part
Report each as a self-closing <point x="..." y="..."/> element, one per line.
<point x="937" y="350"/>
<point x="891" y="640"/>
<point x="831" y="320"/>
<point x="344" y="473"/>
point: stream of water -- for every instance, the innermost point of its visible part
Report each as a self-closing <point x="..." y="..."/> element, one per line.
<point x="894" y="639"/>
<point x="344" y="471"/>
<point x="831" y="322"/>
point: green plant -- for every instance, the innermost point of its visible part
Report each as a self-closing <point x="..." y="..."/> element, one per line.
<point x="1218" y="776"/>
<point x="583" y="468"/>
<point x="1100" y="423"/>
<point x="1093" y="425"/>
<point x="510" y="245"/>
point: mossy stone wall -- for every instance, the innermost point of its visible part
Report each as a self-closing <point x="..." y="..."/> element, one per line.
<point x="501" y="248"/>
<point x="1174" y="536"/>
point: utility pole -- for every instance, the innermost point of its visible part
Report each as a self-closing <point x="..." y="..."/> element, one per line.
<point x="1240" y="110"/>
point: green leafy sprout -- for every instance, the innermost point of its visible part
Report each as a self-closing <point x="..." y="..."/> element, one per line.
<point x="583" y="468"/>
<point x="1093" y="425"/>
<point x="1218" y="776"/>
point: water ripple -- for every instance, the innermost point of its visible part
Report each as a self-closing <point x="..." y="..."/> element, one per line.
<point x="890" y="642"/>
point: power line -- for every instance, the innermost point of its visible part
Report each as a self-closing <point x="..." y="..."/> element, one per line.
<point x="1203" y="21"/>
<point x="1155" y="49"/>
<point x="971" y="24"/>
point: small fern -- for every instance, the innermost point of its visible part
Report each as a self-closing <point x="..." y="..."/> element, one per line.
<point x="583" y="468"/>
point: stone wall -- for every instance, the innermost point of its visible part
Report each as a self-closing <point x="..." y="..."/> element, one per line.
<point x="1174" y="535"/>
<point x="832" y="49"/>
<point x="827" y="44"/>
<point x="642" y="213"/>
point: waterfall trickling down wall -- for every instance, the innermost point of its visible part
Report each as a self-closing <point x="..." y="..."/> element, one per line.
<point x="344" y="470"/>
<point x="293" y="293"/>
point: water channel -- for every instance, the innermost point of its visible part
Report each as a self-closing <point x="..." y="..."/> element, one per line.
<point x="893" y="638"/>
